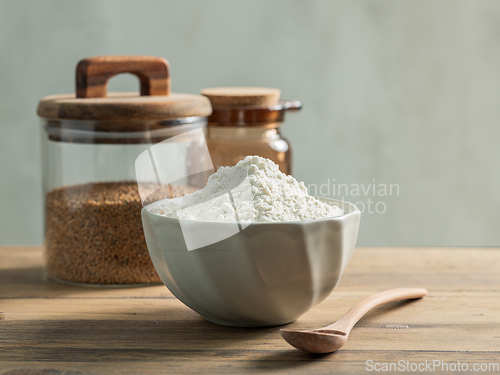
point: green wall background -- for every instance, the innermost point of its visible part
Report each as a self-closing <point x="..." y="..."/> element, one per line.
<point x="405" y="93"/>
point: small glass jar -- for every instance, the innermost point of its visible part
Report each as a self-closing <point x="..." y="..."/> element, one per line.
<point x="93" y="227"/>
<point x="249" y="126"/>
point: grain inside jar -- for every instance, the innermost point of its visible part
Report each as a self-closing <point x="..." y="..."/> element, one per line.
<point x="94" y="234"/>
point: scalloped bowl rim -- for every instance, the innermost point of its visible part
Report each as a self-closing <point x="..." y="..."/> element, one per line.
<point x="353" y="210"/>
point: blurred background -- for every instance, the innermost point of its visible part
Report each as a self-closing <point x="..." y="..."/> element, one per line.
<point x="394" y="93"/>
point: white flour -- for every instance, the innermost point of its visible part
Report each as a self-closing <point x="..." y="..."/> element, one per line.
<point x="254" y="190"/>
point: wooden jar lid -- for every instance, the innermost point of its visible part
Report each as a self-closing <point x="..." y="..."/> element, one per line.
<point x="123" y="106"/>
<point x="92" y="102"/>
<point x="242" y="96"/>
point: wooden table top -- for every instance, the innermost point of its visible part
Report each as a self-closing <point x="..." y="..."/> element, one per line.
<point x="47" y="328"/>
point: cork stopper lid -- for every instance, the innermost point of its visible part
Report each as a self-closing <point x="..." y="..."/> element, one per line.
<point x="92" y="102"/>
<point x="242" y="106"/>
<point x="242" y="96"/>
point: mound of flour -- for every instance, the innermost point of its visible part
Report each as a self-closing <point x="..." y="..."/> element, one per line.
<point x="254" y="190"/>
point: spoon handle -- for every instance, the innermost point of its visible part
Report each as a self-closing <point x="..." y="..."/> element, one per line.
<point x="348" y="321"/>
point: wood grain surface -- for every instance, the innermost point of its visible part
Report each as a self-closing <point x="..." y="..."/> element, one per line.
<point x="47" y="328"/>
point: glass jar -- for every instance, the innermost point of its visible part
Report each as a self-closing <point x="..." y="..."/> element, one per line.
<point x="247" y="121"/>
<point x="93" y="227"/>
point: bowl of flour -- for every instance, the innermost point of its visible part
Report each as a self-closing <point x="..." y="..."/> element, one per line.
<point x="253" y="248"/>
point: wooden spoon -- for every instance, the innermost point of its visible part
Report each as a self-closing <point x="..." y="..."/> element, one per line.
<point x="333" y="337"/>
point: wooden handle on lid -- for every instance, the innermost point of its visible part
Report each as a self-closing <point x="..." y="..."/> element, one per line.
<point x="93" y="73"/>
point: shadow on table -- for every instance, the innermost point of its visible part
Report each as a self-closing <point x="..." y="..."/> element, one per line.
<point x="171" y="333"/>
<point x="286" y="360"/>
<point x="24" y="282"/>
<point x="164" y="332"/>
<point x="185" y="336"/>
<point x="31" y="282"/>
<point x="141" y="326"/>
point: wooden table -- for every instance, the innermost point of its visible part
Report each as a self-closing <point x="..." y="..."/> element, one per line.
<point x="47" y="328"/>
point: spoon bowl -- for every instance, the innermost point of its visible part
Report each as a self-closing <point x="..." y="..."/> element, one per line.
<point x="315" y="341"/>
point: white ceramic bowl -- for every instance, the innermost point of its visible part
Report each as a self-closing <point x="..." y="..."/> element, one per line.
<point x="267" y="274"/>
